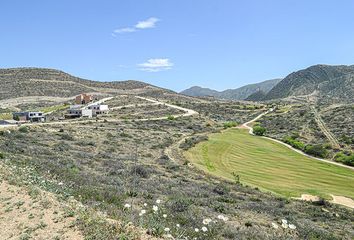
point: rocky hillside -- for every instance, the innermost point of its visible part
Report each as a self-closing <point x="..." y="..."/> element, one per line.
<point x="328" y="81"/>
<point x="23" y="82"/>
<point x="232" y="94"/>
<point x="257" y="96"/>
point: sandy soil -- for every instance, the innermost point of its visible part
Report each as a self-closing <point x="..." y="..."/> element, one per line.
<point x="348" y="202"/>
<point x="33" y="215"/>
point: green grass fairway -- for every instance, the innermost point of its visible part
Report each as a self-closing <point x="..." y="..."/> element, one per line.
<point x="270" y="166"/>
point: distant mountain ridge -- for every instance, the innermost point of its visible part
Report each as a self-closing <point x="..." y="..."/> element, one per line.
<point x="232" y="94"/>
<point x="329" y="81"/>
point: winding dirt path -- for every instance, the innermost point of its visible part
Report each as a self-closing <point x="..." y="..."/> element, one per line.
<point x="188" y="112"/>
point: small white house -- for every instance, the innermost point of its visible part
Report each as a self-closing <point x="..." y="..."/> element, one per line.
<point x="77" y="113"/>
<point x="99" y="109"/>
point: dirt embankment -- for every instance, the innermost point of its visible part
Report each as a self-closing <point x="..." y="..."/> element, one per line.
<point x="29" y="213"/>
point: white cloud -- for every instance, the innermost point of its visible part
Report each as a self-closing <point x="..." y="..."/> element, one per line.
<point x="124" y="30"/>
<point x="156" y="65"/>
<point x="148" y="23"/>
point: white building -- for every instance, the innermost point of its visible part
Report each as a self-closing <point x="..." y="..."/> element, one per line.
<point x="77" y="113"/>
<point x="98" y="109"/>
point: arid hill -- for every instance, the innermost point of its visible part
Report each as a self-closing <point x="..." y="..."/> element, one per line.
<point x="335" y="82"/>
<point x="24" y="82"/>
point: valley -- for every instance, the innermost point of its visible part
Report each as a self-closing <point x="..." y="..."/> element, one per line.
<point x="160" y="160"/>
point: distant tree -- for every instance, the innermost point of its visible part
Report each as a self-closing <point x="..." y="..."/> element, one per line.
<point x="259" y="130"/>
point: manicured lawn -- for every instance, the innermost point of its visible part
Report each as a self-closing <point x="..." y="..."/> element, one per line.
<point x="270" y="166"/>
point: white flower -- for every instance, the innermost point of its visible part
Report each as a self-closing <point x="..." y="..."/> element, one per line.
<point x="284" y="221"/>
<point x="222" y="217"/>
<point x="127" y="205"/>
<point x="206" y="221"/>
<point x="167" y="229"/>
<point x="158" y="201"/>
<point x="204" y="229"/>
<point x="145" y="204"/>
<point x="155" y="208"/>
<point x="275" y="225"/>
<point x="177" y="225"/>
<point x="164" y="216"/>
<point x="284" y="225"/>
<point x="142" y="212"/>
<point x="292" y="226"/>
<point x="196" y="229"/>
<point x="60" y="183"/>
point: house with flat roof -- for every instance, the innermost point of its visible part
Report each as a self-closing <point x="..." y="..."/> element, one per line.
<point x="29" y="116"/>
<point x="99" y="109"/>
<point x="76" y="111"/>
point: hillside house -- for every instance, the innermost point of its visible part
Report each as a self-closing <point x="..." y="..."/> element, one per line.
<point x="76" y="111"/>
<point x="83" y="98"/>
<point x="29" y="116"/>
<point x="99" y="109"/>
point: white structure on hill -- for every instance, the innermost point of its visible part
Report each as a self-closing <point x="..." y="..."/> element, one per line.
<point x="99" y="109"/>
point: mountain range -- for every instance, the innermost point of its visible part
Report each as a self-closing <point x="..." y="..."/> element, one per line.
<point x="327" y="81"/>
<point x="232" y="94"/>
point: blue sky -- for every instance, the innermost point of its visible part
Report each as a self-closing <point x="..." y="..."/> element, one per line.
<point x="177" y="43"/>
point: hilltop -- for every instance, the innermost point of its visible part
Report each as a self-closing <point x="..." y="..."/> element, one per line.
<point x="24" y="82"/>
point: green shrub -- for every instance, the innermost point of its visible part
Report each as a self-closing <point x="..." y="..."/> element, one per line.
<point x="316" y="150"/>
<point x="259" y="130"/>
<point x="230" y="124"/>
<point x="23" y="129"/>
<point x="345" y="158"/>
<point x="294" y="143"/>
<point x="170" y="117"/>
<point x="2" y="156"/>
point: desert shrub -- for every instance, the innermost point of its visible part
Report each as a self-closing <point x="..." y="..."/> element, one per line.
<point x="67" y="137"/>
<point x="192" y="141"/>
<point x="2" y="156"/>
<point x="316" y="150"/>
<point x="221" y="189"/>
<point x="61" y="146"/>
<point x="23" y="129"/>
<point x="140" y="171"/>
<point x="170" y="117"/>
<point x="230" y="124"/>
<point x="347" y="140"/>
<point x="259" y="130"/>
<point x="294" y="143"/>
<point x="179" y="204"/>
<point x="345" y="158"/>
